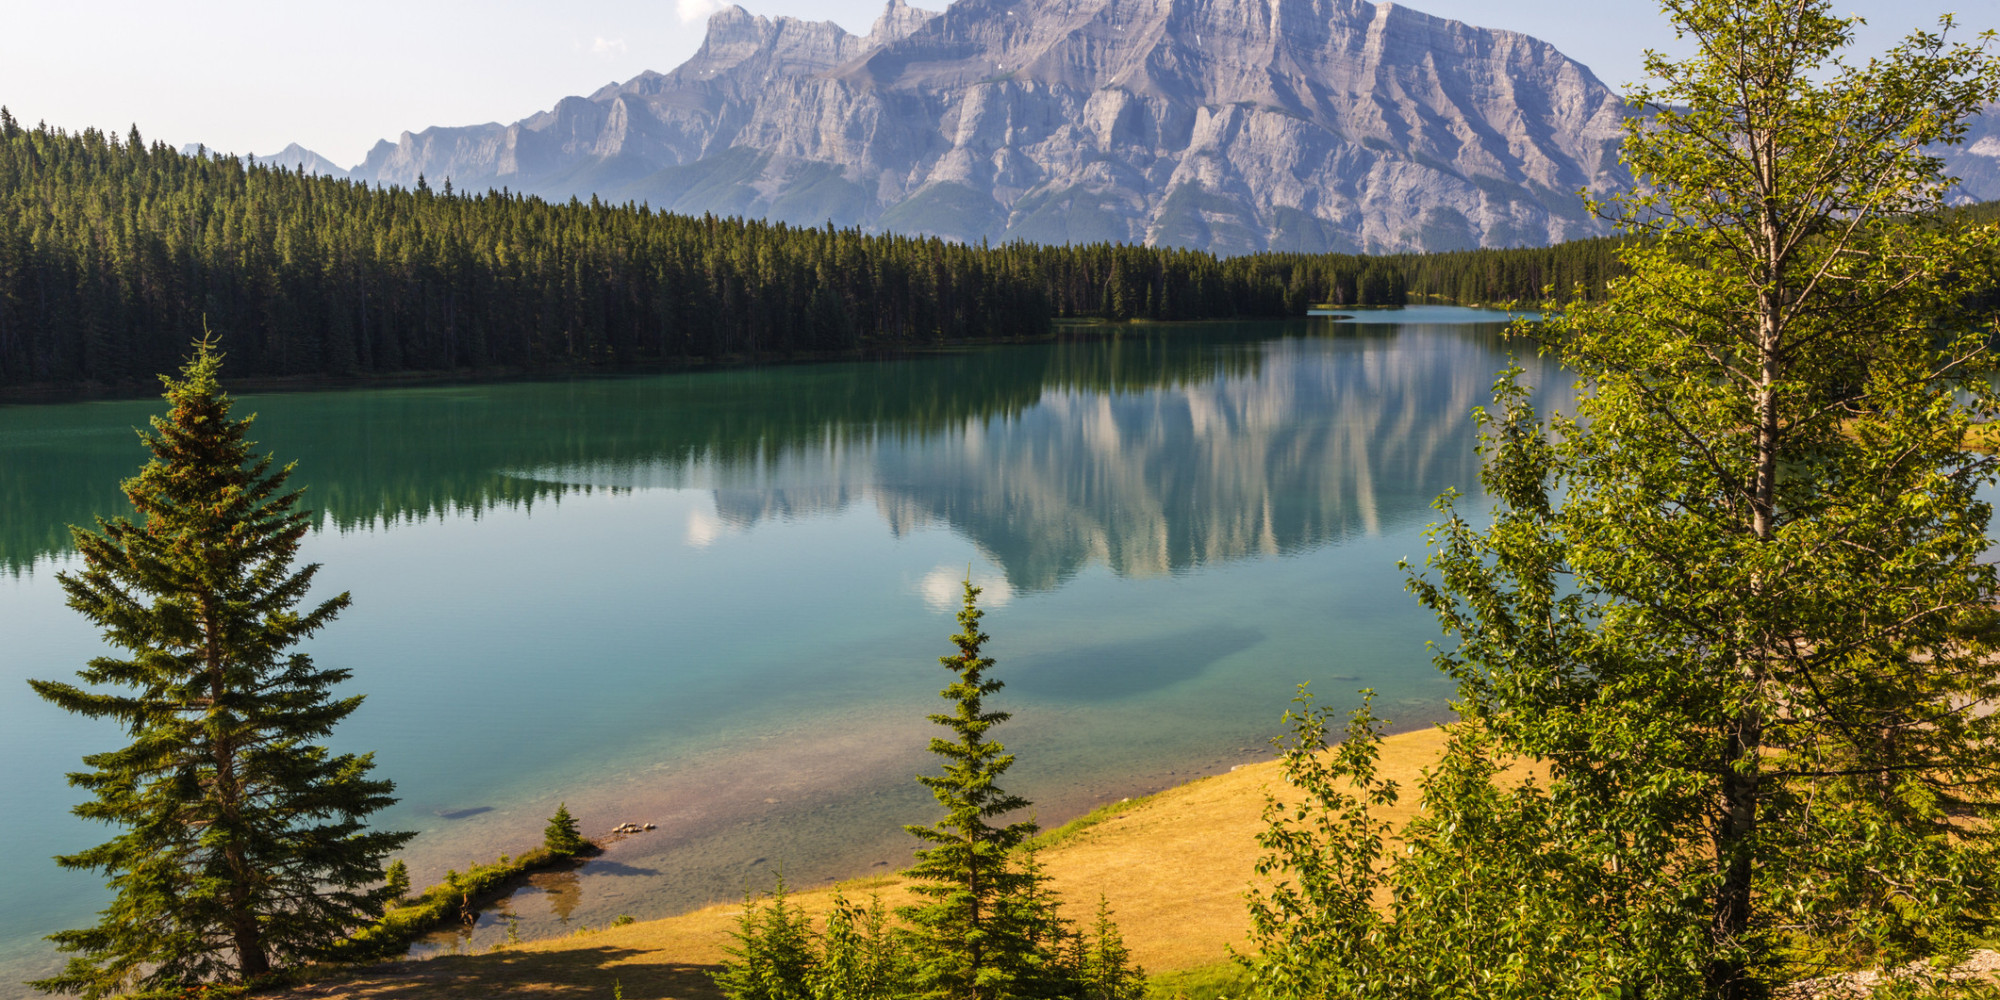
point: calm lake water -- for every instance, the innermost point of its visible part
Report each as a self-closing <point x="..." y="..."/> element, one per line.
<point x="714" y="601"/>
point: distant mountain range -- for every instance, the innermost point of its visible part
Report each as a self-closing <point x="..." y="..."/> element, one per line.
<point x="1228" y="125"/>
<point x="292" y="157"/>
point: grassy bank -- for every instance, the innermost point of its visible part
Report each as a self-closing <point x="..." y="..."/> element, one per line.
<point x="1174" y="866"/>
<point x="457" y="898"/>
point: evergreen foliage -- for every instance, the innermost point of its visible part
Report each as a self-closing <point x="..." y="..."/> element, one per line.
<point x="396" y="881"/>
<point x="1105" y="970"/>
<point x="562" y="838"/>
<point x="110" y="245"/>
<point x="975" y="937"/>
<point x="860" y="955"/>
<point x="774" y="955"/>
<point x="990" y="926"/>
<point x="1735" y="607"/>
<point x="244" y="848"/>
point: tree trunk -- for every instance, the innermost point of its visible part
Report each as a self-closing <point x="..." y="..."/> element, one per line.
<point x="1727" y="975"/>
<point x="244" y="932"/>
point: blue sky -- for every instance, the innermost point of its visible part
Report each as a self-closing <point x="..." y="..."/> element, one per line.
<point x="248" y="77"/>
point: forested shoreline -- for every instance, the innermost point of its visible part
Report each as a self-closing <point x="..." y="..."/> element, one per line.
<point x="115" y="253"/>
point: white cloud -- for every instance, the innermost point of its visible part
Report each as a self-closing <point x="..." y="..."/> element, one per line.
<point x="704" y="528"/>
<point x="602" y="46"/>
<point x="944" y="588"/>
<point x="696" y="11"/>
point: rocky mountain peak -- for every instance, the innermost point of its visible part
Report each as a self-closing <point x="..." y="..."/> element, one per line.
<point x="292" y="157"/>
<point x="1229" y="125"/>
<point x="740" y="41"/>
<point x="898" y="20"/>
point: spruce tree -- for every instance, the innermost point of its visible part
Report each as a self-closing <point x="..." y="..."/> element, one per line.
<point x="1108" y="972"/>
<point x="773" y="955"/>
<point x="562" y="836"/>
<point x="970" y="939"/>
<point x="244" y="847"/>
<point x="859" y="955"/>
<point x="396" y="881"/>
<point x="992" y="928"/>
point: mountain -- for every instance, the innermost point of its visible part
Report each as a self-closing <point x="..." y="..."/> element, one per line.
<point x="292" y="157"/>
<point x="295" y="156"/>
<point x="1976" y="161"/>
<point x="1228" y="125"/>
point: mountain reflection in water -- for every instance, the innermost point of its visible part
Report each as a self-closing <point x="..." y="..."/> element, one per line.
<point x="1150" y="452"/>
<point x="1143" y="468"/>
<point x="714" y="600"/>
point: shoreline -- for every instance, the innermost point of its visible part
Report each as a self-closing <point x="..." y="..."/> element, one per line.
<point x="1173" y="865"/>
<point x="820" y="810"/>
<point x="1061" y="329"/>
<point x="832" y="814"/>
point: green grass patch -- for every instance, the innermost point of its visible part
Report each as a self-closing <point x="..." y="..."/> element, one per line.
<point x="1221" y="981"/>
<point x="447" y="902"/>
<point x="1069" y="831"/>
<point x="864" y="882"/>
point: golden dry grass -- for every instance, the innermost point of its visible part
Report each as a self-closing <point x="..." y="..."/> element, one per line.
<point x="1983" y="437"/>
<point x="1174" y="868"/>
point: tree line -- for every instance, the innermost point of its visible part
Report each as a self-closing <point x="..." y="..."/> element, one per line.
<point x="113" y="250"/>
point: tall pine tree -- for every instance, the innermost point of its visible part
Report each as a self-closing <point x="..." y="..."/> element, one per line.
<point x="244" y="847"/>
<point x="973" y="938"/>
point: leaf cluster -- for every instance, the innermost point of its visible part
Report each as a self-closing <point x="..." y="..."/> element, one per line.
<point x="1734" y="612"/>
<point x="860" y="954"/>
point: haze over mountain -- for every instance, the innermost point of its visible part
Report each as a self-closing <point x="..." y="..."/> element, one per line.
<point x="292" y="157"/>
<point x="1228" y="125"/>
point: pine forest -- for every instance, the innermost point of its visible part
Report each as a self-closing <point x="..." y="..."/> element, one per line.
<point x="113" y="252"/>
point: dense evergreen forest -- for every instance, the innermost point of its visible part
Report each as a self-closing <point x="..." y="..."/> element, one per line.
<point x="114" y="252"/>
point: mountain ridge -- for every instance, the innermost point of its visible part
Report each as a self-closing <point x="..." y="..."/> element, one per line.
<point x="1233" y="126"/>
<point x="292" y="157"/>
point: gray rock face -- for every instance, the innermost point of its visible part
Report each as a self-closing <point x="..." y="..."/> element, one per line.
<point x="1976" y="161"/>
<point x="1228" y="125"/>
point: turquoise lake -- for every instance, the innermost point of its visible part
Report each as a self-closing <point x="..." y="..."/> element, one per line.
<point x="714" y="601"/>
